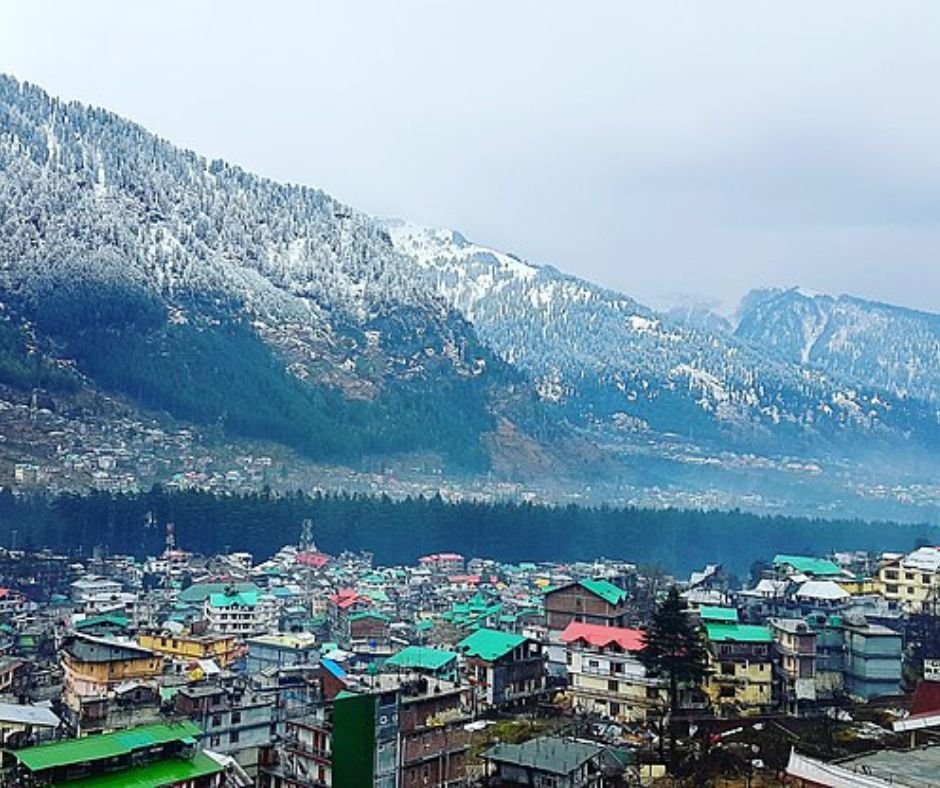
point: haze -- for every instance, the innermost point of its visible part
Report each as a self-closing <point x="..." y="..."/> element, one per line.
<point x="666" y="150"/>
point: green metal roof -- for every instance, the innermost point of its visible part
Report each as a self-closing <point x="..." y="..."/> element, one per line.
<point x="710" y="613"/>
<point x="421" y="657"/>
<point x="606" y="590"/>
<point x="821" y="567"/>
<point x="197" y="593"/>
<point x="93" y="621"/>
<point x="490" y="644"/>
<point x="108" y="745"/>
<point x="724" y="632"/>
<point x="242" y="599"/>
<point x="171" y="771"/>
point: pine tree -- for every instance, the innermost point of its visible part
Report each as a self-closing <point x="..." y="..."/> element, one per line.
<point x="673" y="647"/>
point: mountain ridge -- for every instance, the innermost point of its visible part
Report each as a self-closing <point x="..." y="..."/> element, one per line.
<point x="195" y="288"/>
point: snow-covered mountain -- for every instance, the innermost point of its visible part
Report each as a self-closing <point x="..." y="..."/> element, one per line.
<point x="193" y="288"/>
<point x="894" y="349"/>
<point x="616" y="363"/>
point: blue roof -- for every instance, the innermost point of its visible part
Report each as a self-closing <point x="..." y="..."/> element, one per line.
<point x="333" y="668"/>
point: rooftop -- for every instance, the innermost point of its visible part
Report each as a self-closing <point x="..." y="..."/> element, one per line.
<point x="548" y="754"/>
<point x="723" y="632"/>
<point x="808" y="565"/>
<point x="490" y="644"/>
<point x="421" y="658"/>
<point x="170" y="771"/>
<point x="108" y="745"/>
<point x="713" y="613"/>
<point x="601" y="636"/>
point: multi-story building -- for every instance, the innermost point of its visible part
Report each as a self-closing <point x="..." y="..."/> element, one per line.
<point x="913" y="580"/>
<point x="93" y="667"/>
<point x="604" y="674"/>
<point x="235" y="721"/>
<point x="504" y="669"/>
<point x="794" y="664"/>
<point x="222" y="649"/>
<point x="741" y="667"/>
<point x="597" y="602"/>
<point x="872" y="659"/>
<point x="241" y="614"/>
<point x="281" y="650"/>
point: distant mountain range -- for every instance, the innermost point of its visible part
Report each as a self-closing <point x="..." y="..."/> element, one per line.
<point x="193" y="289"/>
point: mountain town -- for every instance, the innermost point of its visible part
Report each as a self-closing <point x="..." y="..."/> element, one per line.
<point x="307" y="669"/>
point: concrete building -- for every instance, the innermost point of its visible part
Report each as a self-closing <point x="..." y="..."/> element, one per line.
<point x="873" y="658"/>
<point x="794" y="663"/>
<point x="912" y="580"/>
<point x="503" y="668"/>
<point x="605" y="676"/>
<point x="741" y="667"/>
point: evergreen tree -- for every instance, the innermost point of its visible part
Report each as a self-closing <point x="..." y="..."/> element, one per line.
<point x="673" y="647"/>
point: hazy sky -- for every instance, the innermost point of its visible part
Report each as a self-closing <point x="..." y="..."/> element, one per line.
<point x="696" y="148"/>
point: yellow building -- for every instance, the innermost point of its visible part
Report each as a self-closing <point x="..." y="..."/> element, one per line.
<point x="605" y="677"/>
<point x="741" y="667"/>
<point x="912" y="581"/>
<point x="221" y="648"/>
<point x="94" y="666"/>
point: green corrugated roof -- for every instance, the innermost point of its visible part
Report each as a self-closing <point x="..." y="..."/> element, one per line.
<point x="108" y="745"/>
<point x="723" y="632"/>
<point x="421" y="657"/>
<point x="171" y="771"/>
<point x="199" y="592"/>
<point x="808" y="565"/>
<point x="490" y="644"/>
<point x="92" y="621"/>
<point x="606" y="590"/>
<point x="244" y="599"/>
<point x="710" y="613"/>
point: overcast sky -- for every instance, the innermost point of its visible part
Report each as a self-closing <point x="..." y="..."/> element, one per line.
<point x="663" y="149"/>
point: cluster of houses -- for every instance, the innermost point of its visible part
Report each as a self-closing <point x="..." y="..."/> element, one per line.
<point x="314" y="670"/>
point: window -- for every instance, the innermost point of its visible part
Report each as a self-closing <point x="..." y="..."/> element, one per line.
<point x="233" y="737"/>
<point x="891" y="589"/>
<point x="236" y="717"/>
<point x="908" y="575"/>
<point x="612" y="685"/>
<point x="727" y="668"/>
<point x="891" y="574"/>
<point x="216" y="720"/>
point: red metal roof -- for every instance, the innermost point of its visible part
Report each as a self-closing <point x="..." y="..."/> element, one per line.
<point x="600" y="636"/>
<point x="316" y="560"/>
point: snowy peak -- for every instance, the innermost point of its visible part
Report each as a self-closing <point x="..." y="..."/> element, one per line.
<point x="888" y="347"/>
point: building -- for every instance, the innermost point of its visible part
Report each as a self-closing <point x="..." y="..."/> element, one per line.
<point x="442" y="564"/>
<point x="22" y="725"/>
<point x="588" y="601"/>
<point x="96" y="668"/>
<point x="794" y="663"/>
<point x="303" y="759"/>
<point x="597" y="602"/>
<point x="504" y="669"/>
<point x="432" y="662"/>
<point x="872" y="659"/>
<point x="560" y="763"/>
<point x="807" y="566"/>
<point x="605" y="676"/>
<point x="221" y="649"/>
<point x="433" y="741"/>
<point x="741" y="667"/>
<point x="236" y="721"/>
<point x="282" y="650"/>
<point x="912" y="580"/>
<point x="164" y="755"/>
<point x="239" y="613"/>
<point x="91" y="586"/>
